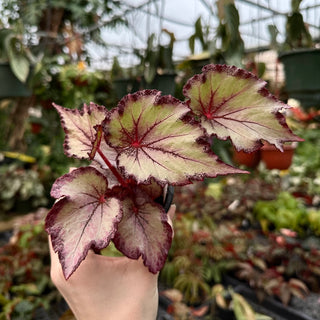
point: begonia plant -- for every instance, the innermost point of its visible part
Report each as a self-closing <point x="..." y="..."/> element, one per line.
<point x="146" y="143"/>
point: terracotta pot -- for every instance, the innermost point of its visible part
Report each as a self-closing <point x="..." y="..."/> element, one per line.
<point x="36" y="127"/>
<point x="79" y="82"/>
<point x="46" y="104"/>
<point x="275" y="159"/>
<point x="249" y="159"/>
<point x="308" y="199"/>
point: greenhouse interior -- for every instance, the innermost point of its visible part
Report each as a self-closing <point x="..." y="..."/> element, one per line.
<point x="94" y="98"/>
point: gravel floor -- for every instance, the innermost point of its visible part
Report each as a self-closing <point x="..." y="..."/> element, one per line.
<point x="310" y="305"/>
<point x="299" y="309"/>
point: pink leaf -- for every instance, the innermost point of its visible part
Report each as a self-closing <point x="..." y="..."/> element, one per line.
<point x="84" y="218"/>
<point x="144" y="231"/>
<point x="153" y="142"/>
<point x="79" y="128"/>
<point x="233" y="103"/>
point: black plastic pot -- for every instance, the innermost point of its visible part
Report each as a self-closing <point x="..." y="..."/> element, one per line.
<point x="164" y="305"/>
<point x="124" y="86"/>
<point x="302" y="74"/>
<point x="11" y="86"/>
<point x="166" y="201"/>
<point x="5" y="237"/>
<point x="164" y="83"/>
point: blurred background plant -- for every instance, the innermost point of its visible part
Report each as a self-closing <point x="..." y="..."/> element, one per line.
<point x="273" y="247"/>
<point x="45" y="47"/>
<point x="297" y="31"/>
<point x="26" y="291"/>
<point x="20" y="189"/>
<point x="54" y="35"/>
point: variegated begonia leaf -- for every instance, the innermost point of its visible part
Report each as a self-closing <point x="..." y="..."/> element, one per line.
<point x="153" y="142"/>
<point x="79" y="127"/>
<point x="144" y="231"/>
<point x="99" y="146"/>
<point x="233" y="103"/>
<point x="83" y="218"/>
<point x="154" y="190"/>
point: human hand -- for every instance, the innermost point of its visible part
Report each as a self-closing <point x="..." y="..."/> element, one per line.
<point x="108" y="287"/>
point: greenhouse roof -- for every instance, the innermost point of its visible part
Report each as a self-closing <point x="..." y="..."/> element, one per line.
<point x="179" y="16"/>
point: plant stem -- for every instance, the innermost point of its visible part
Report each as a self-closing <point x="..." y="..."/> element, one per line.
<point x="112" y="168"/>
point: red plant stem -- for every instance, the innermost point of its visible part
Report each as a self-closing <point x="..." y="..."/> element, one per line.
<point x="112" y="168"/>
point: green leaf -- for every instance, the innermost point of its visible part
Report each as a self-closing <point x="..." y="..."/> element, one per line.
<point x="199" y="32"/>
<point x="241" y="308"/>
<point x="192" y="43"/>
<point x="295" y="4"/>
<point x="273" y="32"/>
<point x="5" y="34"/>
<point x="232" y="43"/>
<point x="19" y="63"/>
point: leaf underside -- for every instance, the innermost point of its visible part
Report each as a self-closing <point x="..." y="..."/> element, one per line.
<point x="144" y="231"/>
<point x="233" y="103"/>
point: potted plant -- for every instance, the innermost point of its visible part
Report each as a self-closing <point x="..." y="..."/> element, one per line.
<point x="201" y="36"/>
<point x="122" y="83"/>
<point x="231" y="49"/>
<point x="212" y="243"/>
<point x="157" y="65"/>
<point x="147" y="142"/>
<point x="300" y="59"/>
<point x="232" y="45"/>
<point x="78" y="83"/>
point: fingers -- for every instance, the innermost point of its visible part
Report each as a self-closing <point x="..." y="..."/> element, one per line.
<point x="171" y="214"/>
<point x="172" y="211"/>
<point x="53" y="255"/>
<point x="56" y="273"/>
